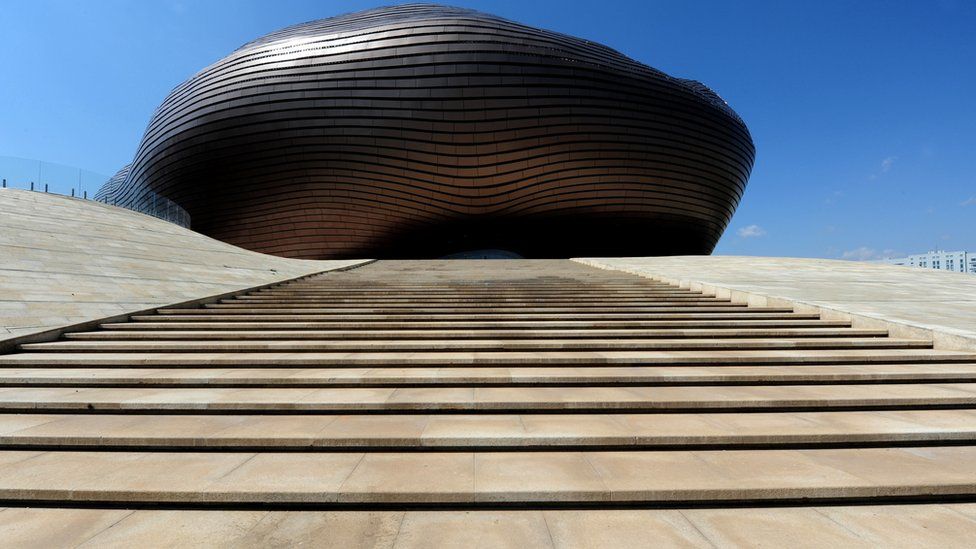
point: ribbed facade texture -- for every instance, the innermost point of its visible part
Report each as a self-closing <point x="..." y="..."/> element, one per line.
<point x="112" y="189"/>
<point x="423" y="131"/>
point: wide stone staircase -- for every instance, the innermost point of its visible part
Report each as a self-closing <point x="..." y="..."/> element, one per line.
<point x="481" y="384"/>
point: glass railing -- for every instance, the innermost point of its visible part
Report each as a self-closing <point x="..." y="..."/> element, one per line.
<point x="49" y="177"/>
<point x="37" y="175"/>
<point x="155" y="205"/>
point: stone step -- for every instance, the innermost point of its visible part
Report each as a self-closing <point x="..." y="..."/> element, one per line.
<point x="452" y="306"/>
<point x="745" y="314"/>
<point x="482" y="359"/>
<point x="476" y="292"/>
<point x="514" y="478"/>
<point x="451" y="285"/>
<point x="395" y="387"/>
<point x="495" y="431"/>
<point x="485" y="302"/>
<point x="487" y="296"/>
<point x="481" y="302"/>
<point x="548" y="344"/>
<point x="116" y="334"/>
<point x="809" y="321"/>
<point x="489" y="376"/>
<point x="489" y="399"/>
<point x="861" y="526"/>
<point x="411" y="310"/>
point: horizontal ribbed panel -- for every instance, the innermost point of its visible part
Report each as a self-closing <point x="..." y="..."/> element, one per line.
<point x="419" y="130"/>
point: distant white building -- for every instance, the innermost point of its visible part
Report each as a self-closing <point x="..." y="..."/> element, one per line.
<point x="960" y="262"/>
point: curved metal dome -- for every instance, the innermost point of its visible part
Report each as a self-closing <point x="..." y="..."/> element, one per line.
<point x="113" y="187"/>
<point x="423" y="130"/>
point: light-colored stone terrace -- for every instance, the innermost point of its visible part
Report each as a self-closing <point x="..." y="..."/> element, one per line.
<point x="67" y="260"/>
<point x="940" y="302"/>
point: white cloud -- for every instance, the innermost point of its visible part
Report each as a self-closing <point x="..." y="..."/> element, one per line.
<point x="834" y="196"/>
<point x="861" y="254"/>
<point x="971" y="201"/>
<point x="751" y="231"/>
<point x="865" y="253"/>
<point x="887" y="163"/>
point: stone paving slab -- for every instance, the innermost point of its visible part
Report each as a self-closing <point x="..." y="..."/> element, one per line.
<point x="480" y="431"/>
<point x="453" y="307"/>
<point x="556" y="375"/>
<point x="451" y="344"/>
<point x="745" y="314"/>
<point x="678" y="297"/>
<point x="489" y="398"/>
<point x="909" y="526"/>
<point x="483" y="477"/>
<point x="484" y="358"/>
<point x="115" y="335"/>
<point x="794" y="321"/>
<point x="718" y="307"/>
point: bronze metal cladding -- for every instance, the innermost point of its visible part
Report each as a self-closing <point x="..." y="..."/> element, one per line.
<point x="111" y="188"/>
<point x="423" y="130"/>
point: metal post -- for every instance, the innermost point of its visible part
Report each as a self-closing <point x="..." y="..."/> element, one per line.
<point x="86" y="195"/>
<point x="4" y="182"/>
<point x="72" y="192"/>
<point x="32" y="185"/>
<point x="45" y="187"/>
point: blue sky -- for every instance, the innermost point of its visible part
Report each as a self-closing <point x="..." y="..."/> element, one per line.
<point x="863" y="112"/>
